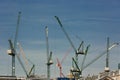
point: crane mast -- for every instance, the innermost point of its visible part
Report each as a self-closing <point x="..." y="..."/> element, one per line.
<point x="13" y="46"/>
<point x="49" y="56"/>
<point x="107" y="57"/>
<point x="15" y="53"/>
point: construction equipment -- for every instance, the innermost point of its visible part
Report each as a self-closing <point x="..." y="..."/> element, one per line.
<point x="96" y="58"/>
<point x="29" y="70"/>
<point x="12" y="51"/>
<point x="59" y="63"/>
<point x="78" y="70"/>
<point x="23" y="54"/>
<point x="15" y="53"/>
<point x="49" y="56"/>
<point x="13" y="47"/>
<point x="77" y="51"/>
<point x="32" y="69"/>
<point x="60" y="68"/>
<point x="86" y="51"/>
<point x="92" y="61"/>
<point x="107" y="57"/>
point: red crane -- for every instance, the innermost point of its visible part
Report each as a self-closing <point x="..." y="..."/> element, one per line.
<point x="60" y="67"/>
<point x="59" y="64"/>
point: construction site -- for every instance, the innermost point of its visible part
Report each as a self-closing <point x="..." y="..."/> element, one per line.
<point x="76" y="71"/>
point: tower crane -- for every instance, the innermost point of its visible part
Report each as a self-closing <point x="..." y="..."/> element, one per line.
<point x="92" y="61"/>
<point x="77" y="51"/>
<point x="49" y="55"/>
<point x="60" y="68"/>
<point x="96" y="58"/>
<point x="15" y="53"/>
<point x="11" y="52"/>
<point x="79" y="70"/>
<point x="59" y="63"/>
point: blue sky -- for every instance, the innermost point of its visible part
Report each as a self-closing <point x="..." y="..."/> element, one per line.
<point x="89" y="20"/>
